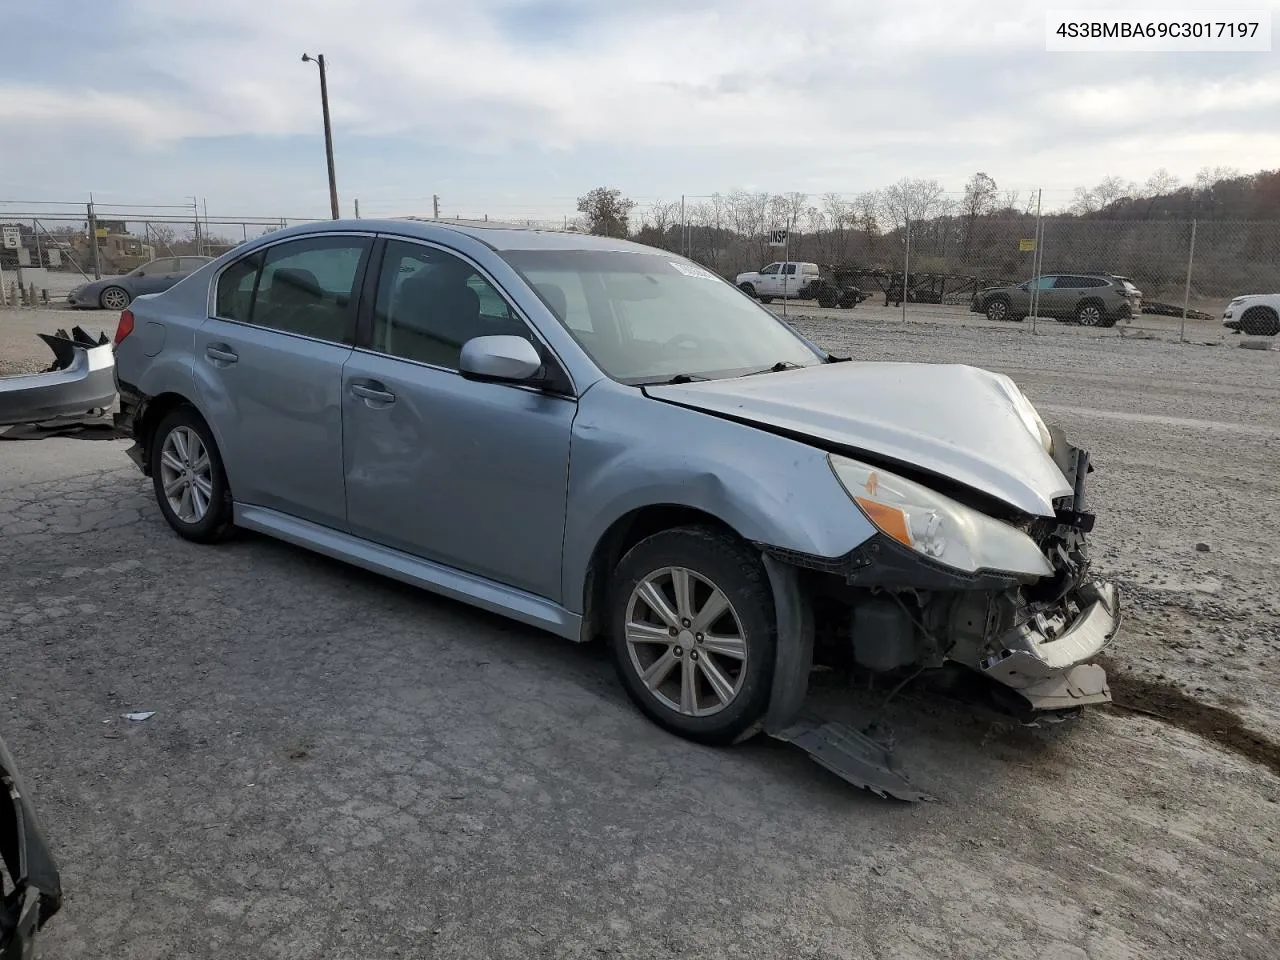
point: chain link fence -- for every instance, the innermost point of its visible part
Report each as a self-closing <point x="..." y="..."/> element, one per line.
<point x="931" y="269"/>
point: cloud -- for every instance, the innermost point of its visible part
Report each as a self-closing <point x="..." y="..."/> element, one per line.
<point x="830" y="94"/>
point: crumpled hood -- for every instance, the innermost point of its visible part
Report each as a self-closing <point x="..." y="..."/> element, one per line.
<point x="954" y="420"/>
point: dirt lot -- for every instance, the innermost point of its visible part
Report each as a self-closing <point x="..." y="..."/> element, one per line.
<point x="342" y="767"/>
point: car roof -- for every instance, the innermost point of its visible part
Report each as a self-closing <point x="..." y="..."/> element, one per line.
<point x="496" y="236"/>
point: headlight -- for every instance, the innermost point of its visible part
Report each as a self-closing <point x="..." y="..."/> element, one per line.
<point x="937" y="526"/>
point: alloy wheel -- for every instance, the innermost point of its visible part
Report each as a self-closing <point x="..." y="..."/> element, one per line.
<point x="1089" y="316"/>
<point x="113" y="298"/>
<point x="187" y="474"/>
<point x="686" y="642"/>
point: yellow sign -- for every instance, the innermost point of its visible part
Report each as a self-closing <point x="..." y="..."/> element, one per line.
<point x="100" y="231"/>
<point x="1026" y="246"/>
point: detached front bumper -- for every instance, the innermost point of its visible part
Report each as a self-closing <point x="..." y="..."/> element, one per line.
<point x="1044" y="658"/>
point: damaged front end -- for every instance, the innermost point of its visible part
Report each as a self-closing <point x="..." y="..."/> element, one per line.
<point x="80" y="379"/>
<point x="1009" y="598"/>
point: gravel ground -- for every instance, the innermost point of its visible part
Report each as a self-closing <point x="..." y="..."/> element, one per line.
<point x="340" y="766"/>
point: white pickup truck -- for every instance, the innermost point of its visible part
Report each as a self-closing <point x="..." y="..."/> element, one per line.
<point x="787" y="280"/>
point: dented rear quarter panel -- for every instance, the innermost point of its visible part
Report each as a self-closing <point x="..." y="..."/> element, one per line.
<point x="630" y="451"/>
<point x="156" y="358"/>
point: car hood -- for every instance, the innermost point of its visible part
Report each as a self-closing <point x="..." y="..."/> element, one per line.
<point x="952" y="420"/>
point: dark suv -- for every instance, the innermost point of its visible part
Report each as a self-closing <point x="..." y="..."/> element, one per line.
<point x="1089" y="299"/>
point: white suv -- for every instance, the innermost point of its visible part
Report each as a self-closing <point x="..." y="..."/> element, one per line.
<point x="1255" y="313"/>
<point x="787" y="280"/>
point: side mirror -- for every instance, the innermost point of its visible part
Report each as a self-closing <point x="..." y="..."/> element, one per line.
<point x="504" y="359"/>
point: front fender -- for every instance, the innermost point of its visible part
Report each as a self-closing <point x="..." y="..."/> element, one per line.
<point x="630" y="451"/>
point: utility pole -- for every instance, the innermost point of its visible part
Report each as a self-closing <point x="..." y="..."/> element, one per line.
<point x="328" y="131"/>
<point x="435" y="207"/>
<point x="357" y="208"/>
<point x="93" y="241"/>
<point x="195" y="213"/>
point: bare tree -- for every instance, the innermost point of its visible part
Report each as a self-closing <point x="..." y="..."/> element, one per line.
<point x="1109" y="190"/>
<point x="980" y="198"/>
<point x="662" y="216"/>
<point x="912" y="199"/>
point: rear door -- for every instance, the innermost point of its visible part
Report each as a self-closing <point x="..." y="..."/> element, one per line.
<point x="790" y="280"/>
<point x="1068" y="291"/>
<point x="156" y="276"/>
<point x="268" y="366"/>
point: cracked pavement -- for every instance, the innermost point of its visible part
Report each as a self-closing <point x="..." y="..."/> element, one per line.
<point x="341" y="766"/>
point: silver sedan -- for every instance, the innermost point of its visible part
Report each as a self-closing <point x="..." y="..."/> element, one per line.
<point x="605" y="440"/>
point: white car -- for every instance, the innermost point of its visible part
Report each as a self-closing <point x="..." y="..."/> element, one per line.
<point x="785" y="280"/>
<point x="1254" y="313"/>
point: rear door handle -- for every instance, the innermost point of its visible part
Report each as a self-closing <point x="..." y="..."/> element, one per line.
<point x="373" y="394"/>
<point x="220" y="353"/>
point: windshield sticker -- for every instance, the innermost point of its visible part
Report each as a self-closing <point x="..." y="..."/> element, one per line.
<point x="689" y="270"/>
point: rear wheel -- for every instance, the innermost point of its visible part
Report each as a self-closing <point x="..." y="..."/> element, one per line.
<point x="693" y="634"/>
<point x="1089" y="314"/>
<point x="190" y="483"/>
<point x="114" y="298"/>
<point x="1260" y="322"/>
<point x="827" y="298"/>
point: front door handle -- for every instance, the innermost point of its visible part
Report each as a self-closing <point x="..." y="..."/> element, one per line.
<point x="373" y="395"/>
<point x="220" y="353"/>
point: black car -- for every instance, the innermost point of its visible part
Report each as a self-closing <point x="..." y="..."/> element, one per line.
<point x="30" y="885"/>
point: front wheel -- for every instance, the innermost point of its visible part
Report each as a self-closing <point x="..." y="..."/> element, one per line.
<point x="748" y="289"/>
<point x="1260" y="322"/>
<point x="998" y="309"/>
<point x="190" y="483"/>
<point x="693" y="633"/>
<point x="766" y="299"/>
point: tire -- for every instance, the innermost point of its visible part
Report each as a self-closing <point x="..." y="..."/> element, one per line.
<point x="172" y="450"/>
<point x="1260" y="322"/>
<point x="720" y="707"/>
<point x="766" y="299"/>
<point x="997" y="309"/>
<point x="1091" y="314"/>
<point x="827" y="299"/>
<point x="748" y="289"/>
<point x="114" y="298"/>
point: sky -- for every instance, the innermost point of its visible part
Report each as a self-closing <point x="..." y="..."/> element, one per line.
<point x="513" y="108"/>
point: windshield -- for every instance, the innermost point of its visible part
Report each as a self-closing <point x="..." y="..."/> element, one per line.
<point x="645" y="318"/>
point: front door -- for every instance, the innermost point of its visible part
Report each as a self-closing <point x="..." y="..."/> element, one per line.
<point x="769" y="285"/>
<point x="268" y="369"/>
<point x="472" y="475"/>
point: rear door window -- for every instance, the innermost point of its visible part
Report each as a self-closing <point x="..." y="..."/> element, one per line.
<point x="308" y="287"/>
<point x="234" y="297"/>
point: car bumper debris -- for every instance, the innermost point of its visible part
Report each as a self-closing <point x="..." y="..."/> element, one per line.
<point x="31" y="887"/>
<point x="81" y="378"/>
